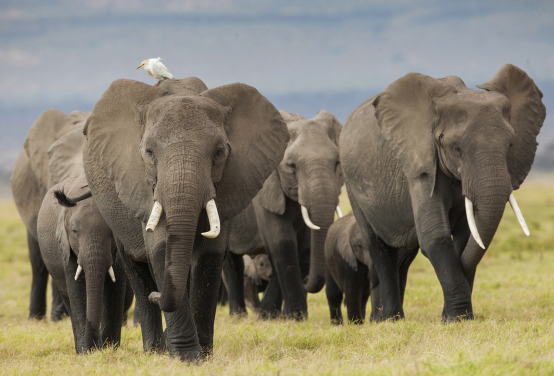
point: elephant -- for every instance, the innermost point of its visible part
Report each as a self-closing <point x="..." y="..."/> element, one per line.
<point x="169" y="166"/>
<point x="304" y="188"/>
<point x="30" y="181"/>
<point x="74" y="240"/>
<point x="257" y="272"/>
<point x="429" y="163"/>
<point x="351" y="273"/>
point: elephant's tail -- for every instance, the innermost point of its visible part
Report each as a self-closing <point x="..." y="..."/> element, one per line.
<point x="70" y="202"/>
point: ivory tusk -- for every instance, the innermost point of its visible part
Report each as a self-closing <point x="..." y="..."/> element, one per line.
<point x="213" y="217"/>
<point x="519" y="216"/>
<point x="472" y="224"/>
<point x="111" y="273"/>
<point x="79" y="270"/>
<point x="339" y="212"/>
<point x="154" y="217"/>
<point x="307" y="220"/>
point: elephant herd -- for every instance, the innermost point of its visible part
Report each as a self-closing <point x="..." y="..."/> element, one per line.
<point x="163" y="192"/>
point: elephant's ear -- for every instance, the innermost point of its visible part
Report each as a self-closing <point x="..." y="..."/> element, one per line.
<point x="345" y="247"/>
<point x="527" y="115"/>
<point x="406" y="115"/>
<point x="48" y="127"/>
<point x="258" y="136"/>
<point x="114" y="132"/>
<point x="66" y="156"/>
<point x="335" y="126"/>
<point x="271" y="196"/>
<point x="290" y="117"/>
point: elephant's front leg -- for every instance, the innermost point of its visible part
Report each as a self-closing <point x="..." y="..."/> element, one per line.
<point x="181" y="334"/>
<point x="204" y="288"/>
<point x="37" y="307"/>
<point x="281" y="242"/>
<point x="114" y="301"/>
<point x="150" y="314"/>
<point x="434" y="234"/>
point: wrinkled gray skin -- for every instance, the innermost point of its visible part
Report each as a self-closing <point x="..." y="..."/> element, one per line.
<point x="257" y="272"/>
<point x="72" y="236"/>
<point x="411" y="155"/>
<point x="350" y="272"/>
<point x="182" y="145"/>
<point x="309" y="175"/>
<point x="30" y="181"/>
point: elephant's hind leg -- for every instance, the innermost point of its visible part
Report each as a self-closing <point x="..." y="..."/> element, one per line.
<point x="334" y="299"/>
<point x="233" y="276"/>
<point x="58" y="307"/>
<point x="37" y="307"/>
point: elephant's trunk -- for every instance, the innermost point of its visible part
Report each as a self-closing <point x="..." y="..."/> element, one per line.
<point x="488" y="193"/>
<point x="321" y="199"/>
<point x="96" y="270"/>
<point x="183" y="196"/>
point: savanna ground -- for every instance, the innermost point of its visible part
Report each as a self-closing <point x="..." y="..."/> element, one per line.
<point x="513" y="333"/>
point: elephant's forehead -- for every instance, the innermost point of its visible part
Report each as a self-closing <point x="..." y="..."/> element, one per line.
<point x="474" y="101"/>
<point x="191" y="112"/>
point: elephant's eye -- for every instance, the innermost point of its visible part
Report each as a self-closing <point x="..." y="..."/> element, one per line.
<point x="291" y="165"/>
<point x="441" y="138"/>
<point x="219" y="152"/>
<point x="150" y="153"/>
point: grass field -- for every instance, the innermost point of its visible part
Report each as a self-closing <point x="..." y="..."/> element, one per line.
<point x="513" y="333"/>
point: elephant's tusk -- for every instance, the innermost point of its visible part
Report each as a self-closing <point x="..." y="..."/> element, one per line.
<point x="213" y="217"/>
<point x="111" y="273"/>
<point x="79" y="270"/>
<point x="518" y="214"/>
<point x="472" y="224"/>
<point x="307" y="220"/>
<point x="154" y="217"/>
<point x="339" y="212"/>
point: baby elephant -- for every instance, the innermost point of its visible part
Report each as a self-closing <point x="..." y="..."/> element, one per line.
<point x="79" y="251"/>
<point x="350" y="272"/>
<point x="257" y="271"/>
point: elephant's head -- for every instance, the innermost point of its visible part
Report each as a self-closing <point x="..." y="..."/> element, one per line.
<point x="81" y="230"/>
<point x="263" y="266"/>
<point x="350" y="244"/>
<point x="484" y="139"/>
<point x="180" y="148"/>
<point x="309" y="174"/>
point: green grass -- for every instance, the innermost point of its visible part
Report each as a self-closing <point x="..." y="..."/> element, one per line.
<point x="513" y="333"/>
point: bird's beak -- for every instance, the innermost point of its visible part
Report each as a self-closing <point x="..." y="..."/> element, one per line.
<point x="140" y="66"/>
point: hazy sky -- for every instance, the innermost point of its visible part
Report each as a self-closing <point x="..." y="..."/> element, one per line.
<point x="51" y="51"/>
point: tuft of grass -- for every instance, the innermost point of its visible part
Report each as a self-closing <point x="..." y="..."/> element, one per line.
<point x="513" y="333"/>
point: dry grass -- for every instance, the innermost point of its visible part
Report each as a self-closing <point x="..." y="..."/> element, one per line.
<point x="512" y="333"/>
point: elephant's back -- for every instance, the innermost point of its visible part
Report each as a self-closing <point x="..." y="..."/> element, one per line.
<point x="375" y="178"/>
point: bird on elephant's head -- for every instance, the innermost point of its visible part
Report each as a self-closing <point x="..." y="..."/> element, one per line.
<point x="179" y="159"/>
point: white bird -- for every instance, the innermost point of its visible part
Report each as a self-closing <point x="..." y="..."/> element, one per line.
<point x="156" y="69"/>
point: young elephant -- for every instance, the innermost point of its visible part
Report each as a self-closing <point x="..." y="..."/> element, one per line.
<point x="350" y="272"/>
<point x="257" y="271"/>
<point x="79" y="251"/>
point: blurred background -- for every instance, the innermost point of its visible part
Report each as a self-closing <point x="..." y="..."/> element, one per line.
<point x="302" y="55"/>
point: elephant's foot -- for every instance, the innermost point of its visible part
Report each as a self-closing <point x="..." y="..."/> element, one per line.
<point x="36" y="315"/>
<point x="58" y="313"/>
<point x="296" y="315"/>
<point x="193" y="356"/>
<point x="450" y="315"/>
